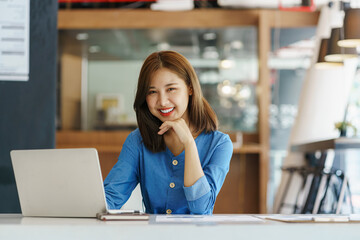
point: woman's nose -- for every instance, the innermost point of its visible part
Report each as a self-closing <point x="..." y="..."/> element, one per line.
<point x="163" y="100"/>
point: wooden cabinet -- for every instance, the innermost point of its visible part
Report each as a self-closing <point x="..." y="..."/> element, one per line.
<point x="245" y="188"/>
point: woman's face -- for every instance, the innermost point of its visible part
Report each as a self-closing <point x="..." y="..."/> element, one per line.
<point x="168" y="96"/>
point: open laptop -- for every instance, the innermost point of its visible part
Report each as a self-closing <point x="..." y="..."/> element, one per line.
<point x="59" y="182"/>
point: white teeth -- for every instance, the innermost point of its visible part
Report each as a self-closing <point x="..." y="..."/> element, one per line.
<point x="167" y="111"/>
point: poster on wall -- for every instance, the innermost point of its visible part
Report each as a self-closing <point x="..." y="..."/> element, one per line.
<point x="14" y="40"/>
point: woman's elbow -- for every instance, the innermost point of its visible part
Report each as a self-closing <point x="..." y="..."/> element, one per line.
<point x="203" y="205"/>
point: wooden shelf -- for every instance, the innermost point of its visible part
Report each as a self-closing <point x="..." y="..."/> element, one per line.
<point x="252" y="148"/>
<point x="90" y="138"/>
<point x="99" y="148"/>
<point x="197" y="18"/>
<point x="111" y="142"/>
<point x="248" y="148"/>
<point x="145" y="18"/>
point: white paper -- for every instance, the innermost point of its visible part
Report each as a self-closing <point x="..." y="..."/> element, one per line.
<point x="14" y="40"/>
<point x="354" y="217"/>
<point x="308" y="218"/>
<point x="231" y="218"/>
<point x="291" y="218"/>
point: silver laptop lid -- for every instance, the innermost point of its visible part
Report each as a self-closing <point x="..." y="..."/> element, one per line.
<point x="59" y="182"/>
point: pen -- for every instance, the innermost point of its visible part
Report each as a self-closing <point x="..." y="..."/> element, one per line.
<point x="125" y="211"/>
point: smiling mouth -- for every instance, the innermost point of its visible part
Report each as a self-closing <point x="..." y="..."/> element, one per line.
<point x="166" y="112"/>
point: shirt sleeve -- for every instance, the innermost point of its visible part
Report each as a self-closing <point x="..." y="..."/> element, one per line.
<point x="202" y="194"/>
<point x="124" y="176"/>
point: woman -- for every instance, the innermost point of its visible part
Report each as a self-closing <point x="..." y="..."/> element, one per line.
<point x="176" y="154"/>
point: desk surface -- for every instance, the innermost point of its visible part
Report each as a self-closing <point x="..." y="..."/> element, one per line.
<point x="14" y="226"/>
<point x="341" y="143"/>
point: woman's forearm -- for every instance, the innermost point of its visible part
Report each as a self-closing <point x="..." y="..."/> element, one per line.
<point x="192" y="170"/>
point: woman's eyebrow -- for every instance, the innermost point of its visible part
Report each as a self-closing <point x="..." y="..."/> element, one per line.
<point x="167" y="85"/>
<point x="170" y="84"/>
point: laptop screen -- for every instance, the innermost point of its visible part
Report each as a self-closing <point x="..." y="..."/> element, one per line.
<point x="59" y="182"/>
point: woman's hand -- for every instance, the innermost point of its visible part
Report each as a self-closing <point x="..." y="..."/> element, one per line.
<point x="181" y="129"/>
<point x="192" y="169"/>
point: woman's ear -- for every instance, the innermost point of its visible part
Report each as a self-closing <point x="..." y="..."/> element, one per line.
<point x="190" y="91"/>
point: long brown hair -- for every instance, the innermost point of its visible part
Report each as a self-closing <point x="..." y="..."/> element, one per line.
<point x="201" y="115"/>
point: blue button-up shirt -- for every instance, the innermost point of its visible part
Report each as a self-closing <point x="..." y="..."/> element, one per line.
<point x="162" y="179"/>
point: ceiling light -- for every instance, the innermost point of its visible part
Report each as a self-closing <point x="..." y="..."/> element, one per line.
<point x="82" y="36"/>
<point x="209" y="36"/>
<point x="237" y="45"/>
<point x="245" y="92"/>
<point x="351" y="29"/>
<point x="163" y="46"/>
<point x="210" y="52"/>
<point x="227" y="63"/>
<point x="334" y="52"/>
<point x="94" y="49"/>
<point x="226" y="89"/>
<point x="321" y="63"/>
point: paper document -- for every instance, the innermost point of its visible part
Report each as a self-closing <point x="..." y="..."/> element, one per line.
<point x="308" y="218"/>
<point x="231" y="218"/>
<point x="14" y="40"/>
<point x="354" y="217"/>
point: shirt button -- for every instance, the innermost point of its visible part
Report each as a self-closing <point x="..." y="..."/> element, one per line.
<point x="172" y="185"/>
<point x="168" y="211"/>
<point x="175" y="162"/>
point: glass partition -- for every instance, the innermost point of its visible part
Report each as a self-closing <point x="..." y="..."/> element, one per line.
<point x="225" y="60"/>
<point x="290" y="58"/>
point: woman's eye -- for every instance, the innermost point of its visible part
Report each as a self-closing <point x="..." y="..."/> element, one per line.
<point x="151" y="92"/>
<point x="171" y="89"/>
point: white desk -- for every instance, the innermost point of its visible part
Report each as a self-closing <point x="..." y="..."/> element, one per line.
<point x="17" y="227"/>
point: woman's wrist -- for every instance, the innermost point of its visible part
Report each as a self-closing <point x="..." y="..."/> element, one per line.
<point x="189" y="143"/>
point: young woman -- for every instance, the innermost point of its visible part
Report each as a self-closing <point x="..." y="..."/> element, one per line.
<point x="176" y="154"/>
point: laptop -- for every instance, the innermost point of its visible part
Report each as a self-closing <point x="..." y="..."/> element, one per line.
<point x="59" y="182"/>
